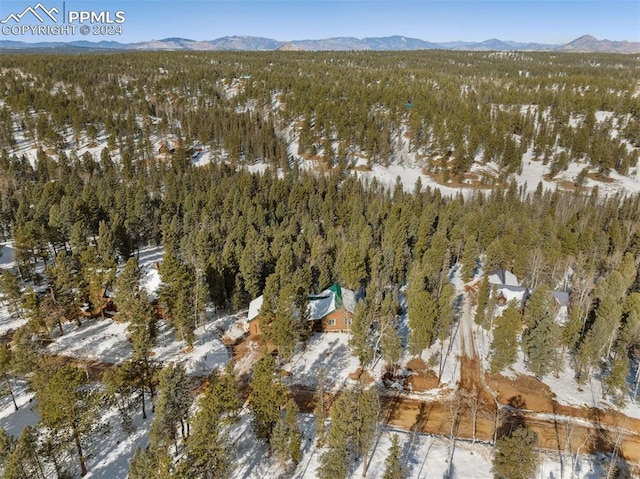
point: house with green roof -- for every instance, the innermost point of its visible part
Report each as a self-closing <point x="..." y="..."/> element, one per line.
<point x="330" y="310"/>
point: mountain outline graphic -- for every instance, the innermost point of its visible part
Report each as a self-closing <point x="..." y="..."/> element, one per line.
<point x="34" y="11"/>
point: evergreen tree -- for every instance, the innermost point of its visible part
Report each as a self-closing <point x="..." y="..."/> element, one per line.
<point x="172" y="407"/>
<point x="352" y="266"/>
<point x="368" y="410"/>
<point x="128" y="284"/>
<point x="121" y="383"/>
<point x="504" y="347"/>
<point x="285" y="440"/>
<point x="390" y="342"/>
<point x="393" y="468"/>
<point x="320" y="410"/>
<point x="469" y="256"/>
<point x="209" y="449"/>
<point x="284" y="329"/>
<point x="267" y="397"/>
<point x="515" y="456"/>
<point x="143" y="465"/>
<point x="12" y="293"/>
<point x="483" y="300"/>
<point x="542" y="336"/>
<point x="66" y="404"/>
<point x="422" y="310"/>
<point x="66" y="285"/>
<point x="334" y="462"/>
<point x="6" y="366"/>
<point x="7" y="445"/>
<point x="23" y="461"/>
<point x="179" y="292"/>
<point x="361" y="333"/>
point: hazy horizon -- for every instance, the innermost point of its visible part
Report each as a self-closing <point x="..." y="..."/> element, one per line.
<point x="551" y="22"/>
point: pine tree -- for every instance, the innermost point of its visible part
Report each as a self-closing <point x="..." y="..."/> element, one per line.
<point x="445" y="316"/>
<point x="143" y="465"/>
<point x="98" y="274"/>
<point x="334" y="462"/>
<point x="616" y="381"/>
<point x="393" y="468"/>
<point x="361" y="333"/>
<point x="423" y="310"/>
<point x="515" y="456"/>
<point x="172" y="407"/>
<point x="320" y="410"/>
<point x="208" y="448"/>
<point x="23" y="461"/>
<point x="542" y="336"/>
<point x="121" y="383"/>
<point x="66" y="404"/>
<point x="352" y="266"/>
<point x="6" y="366"/>
<point x="267" y="397"/>
<point x="12" y="294"/>
<point x="295" y="436"/>
<point x="504" y="347"/>
<point x="368" y="410"/>
<point x="128" y="284"/>
<point x="284" y="329"/>
<point x="179" y="291"/>
<point x="7" y="444"/>
<point x="285" y="440"/>
<point x="390" y="342"/>
<point x="66" y="287"/>
<point x="469" y="256"/>
<point x="483" y="299"/>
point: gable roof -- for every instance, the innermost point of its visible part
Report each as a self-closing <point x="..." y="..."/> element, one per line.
<point x="319" y="305"/>
<point x="254" y="308"/>
<point x="503" y="277"/>
<point x="509" y="293"/>
<point x="561" y="297"/>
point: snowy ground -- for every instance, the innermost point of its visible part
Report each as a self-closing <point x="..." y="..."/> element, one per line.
<point x="424" y="456"/>
<point x="96" y="339"/>
<point x="7" y="254"/>
<point x="324" y="350"/>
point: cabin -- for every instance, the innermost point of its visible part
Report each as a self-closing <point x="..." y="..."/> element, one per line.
<point x="506" y="287"/>
<point x="506" y="293"/>
<point x="330" y="310"/>
<point x="254" y="315"/>
<point x="106" y="309"/>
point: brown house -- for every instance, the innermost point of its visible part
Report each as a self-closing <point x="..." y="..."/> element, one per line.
<point x="331" y="310"/>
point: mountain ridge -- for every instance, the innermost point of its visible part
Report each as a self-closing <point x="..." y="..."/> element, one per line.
<point x="584" y="43"/>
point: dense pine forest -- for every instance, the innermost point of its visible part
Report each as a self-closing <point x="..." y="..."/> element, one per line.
<point x="101" y="156"/>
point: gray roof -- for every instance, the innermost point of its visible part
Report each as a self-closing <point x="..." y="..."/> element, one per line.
<point x="562" y="297"/>
<point x="319" y="305"/>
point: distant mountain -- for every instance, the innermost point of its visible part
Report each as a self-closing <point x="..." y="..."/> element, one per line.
<point x="329" y="44"/>
<point x="245" y="43"/>
<point x="397" y="43"/>
<point x="494" y="44"/>
<point x="586" y="43"/>
<point x="170" y="44"/>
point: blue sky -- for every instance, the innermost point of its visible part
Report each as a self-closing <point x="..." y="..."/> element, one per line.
<point x="557" y="21"/>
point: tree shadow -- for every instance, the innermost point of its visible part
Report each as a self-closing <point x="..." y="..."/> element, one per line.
<point x="513" y="417"/>
<point x="608" y="442"/>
